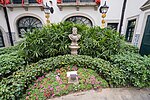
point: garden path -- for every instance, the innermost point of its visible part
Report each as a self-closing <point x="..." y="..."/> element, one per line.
<point x="109" y="94"/>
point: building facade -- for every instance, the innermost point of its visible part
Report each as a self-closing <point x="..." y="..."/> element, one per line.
<point x="29" y="14"/>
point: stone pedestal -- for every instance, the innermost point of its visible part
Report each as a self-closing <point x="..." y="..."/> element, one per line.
<point x="74" y="49"/>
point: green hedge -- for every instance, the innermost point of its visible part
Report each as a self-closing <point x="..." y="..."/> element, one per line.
<point x="15" y="85"/>
<point x="126" y="47"/>
<point x="7" y="50"/>
<point x="10" y="63"/>
<point x="135" y="67"/>
<point x="125" y="71"/>
<point x="53" y="40"/>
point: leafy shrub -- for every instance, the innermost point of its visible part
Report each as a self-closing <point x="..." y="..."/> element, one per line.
<point x="126" y="47"/>
<point x="15" y="85"/>
<point x="8" y="50"/>
<point x="10" y="63"/>
<point x="53" y="40"/>
<point x="126" y="73"/>
<point x="52" y="85"/>
<point x="135" y="67"/>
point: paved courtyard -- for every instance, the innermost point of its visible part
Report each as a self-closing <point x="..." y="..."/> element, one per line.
<point x="109" y="94"/>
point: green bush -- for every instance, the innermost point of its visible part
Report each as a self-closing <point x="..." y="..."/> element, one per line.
<point x="10" y="63"/>
<point x="135" y="67"/>
<point x="126" y="73"/>
<point x="126" y="47"/>
<point x="15" y="85"/>
<point x="8" y="50"/>
<point x="53" y="40"/>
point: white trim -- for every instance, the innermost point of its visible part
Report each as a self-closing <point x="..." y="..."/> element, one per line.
<point x="81" y="14"/>
<point x="136" y="25"/>
<point x="20" y="16"/>
<point x="143" y="29"/>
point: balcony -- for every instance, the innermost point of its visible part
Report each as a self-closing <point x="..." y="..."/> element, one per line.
<point x="25" y="5"/>
<point x="68" y="1"/>
<point x="25" y="1"/>
<point x="78" y="3"/>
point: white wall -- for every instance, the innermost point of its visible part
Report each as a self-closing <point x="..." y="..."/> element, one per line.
<point x="20" y="12"/>
<point x="114" y="12"/>
<point x="113" y="15"/>
<point x="3" y="28"/>
<point x="133" y="12"/>
<point x="2" y="20"/>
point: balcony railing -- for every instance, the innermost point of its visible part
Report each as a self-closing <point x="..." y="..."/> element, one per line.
<point x="16" y="1"/>
<point x="78" y="3"/>
<point x="68" y="1"/>
<point x="73" y="1"/>
<point x="87" y="0"/>
<point x="32" y="1"/>
<point x="25" y="1"/>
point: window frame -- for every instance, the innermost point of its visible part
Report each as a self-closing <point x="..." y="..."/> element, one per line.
<point x="76" y="19"/>
<point x="132" y="28"/>
<point x="114" y="23"/>
<point x="25" y="28"/>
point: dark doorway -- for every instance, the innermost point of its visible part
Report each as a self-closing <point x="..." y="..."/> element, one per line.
<point x="145" y="46"/>
<point x="1" y="40"/>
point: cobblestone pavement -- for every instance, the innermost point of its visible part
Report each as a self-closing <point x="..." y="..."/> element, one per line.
<point x="109" y="94"/>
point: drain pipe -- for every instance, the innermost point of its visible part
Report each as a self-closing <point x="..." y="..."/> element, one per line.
<point x="8" y="25"/>
<point x="122" y="16"/>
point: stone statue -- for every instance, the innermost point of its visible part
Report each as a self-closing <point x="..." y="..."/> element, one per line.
<point x="74" y="37"/>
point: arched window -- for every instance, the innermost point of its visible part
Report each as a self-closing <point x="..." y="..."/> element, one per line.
<point x="27" y="24"/>
<point x="80" y="20"/>
<point x="1" y="39"/>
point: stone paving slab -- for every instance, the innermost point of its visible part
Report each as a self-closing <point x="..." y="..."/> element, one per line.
<point x="109" y="94"/>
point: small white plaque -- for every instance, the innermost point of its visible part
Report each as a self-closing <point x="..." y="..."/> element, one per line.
<point x="71" y="72"/>
<point x="72" y="77"/>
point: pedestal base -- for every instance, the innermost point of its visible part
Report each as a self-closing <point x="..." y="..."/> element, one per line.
<point x="74" y="49"/>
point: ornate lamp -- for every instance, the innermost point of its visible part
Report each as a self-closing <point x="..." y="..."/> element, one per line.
<point x="103" y="9"/>
<point x="47" y="10"/>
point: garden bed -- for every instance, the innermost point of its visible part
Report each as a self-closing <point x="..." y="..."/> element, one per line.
<point x="56" y="83"/>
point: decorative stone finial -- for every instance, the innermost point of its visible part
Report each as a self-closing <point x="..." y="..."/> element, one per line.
<point x="74" y="37"/>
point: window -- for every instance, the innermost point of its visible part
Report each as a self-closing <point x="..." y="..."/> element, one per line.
<point x="1" y="40"/>
<point x="80" y="20"/>
<point x="69" y="1"/>
<point x="20" y="1"/>
<point x="87" y="0"/>
<point x="130" y="30"/>
<point x="32" y="1"/>
<point x="27" y="24"/>
<point x="113" y="25"/>
<point x="17" y="1"/>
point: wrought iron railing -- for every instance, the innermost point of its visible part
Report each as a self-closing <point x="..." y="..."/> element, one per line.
<point x="32" y="1"/>
<point x="16" y="1"/>
<point x="20" y="1"/>
<point x="69" y="1"/>
<point x="87" y="0"/>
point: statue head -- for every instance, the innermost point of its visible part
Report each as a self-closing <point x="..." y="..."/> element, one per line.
<point x="74" y="30"/>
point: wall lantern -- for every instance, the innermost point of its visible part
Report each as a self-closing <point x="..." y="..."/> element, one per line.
<point x="47" y="10"/>
<point x="103" y="9"/>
